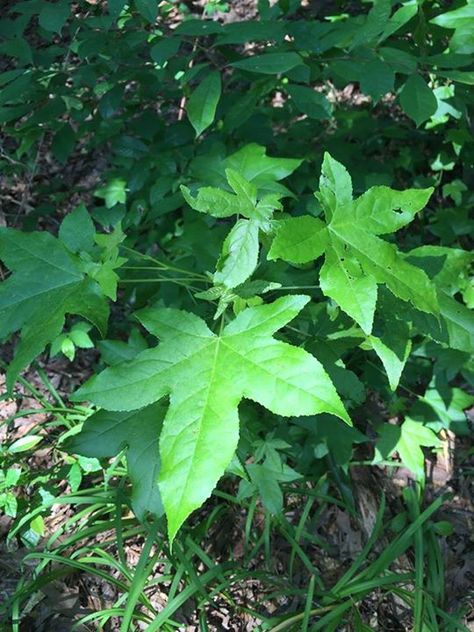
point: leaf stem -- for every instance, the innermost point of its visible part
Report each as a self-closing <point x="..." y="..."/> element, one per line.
<point x="162" y="264"/>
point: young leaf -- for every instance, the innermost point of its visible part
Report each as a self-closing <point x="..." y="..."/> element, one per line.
<point x="37" y="304"/>
<point x="242" y="188"/>
<point x="240" y="250"/>
<point x="239" y="254"/>
<point x="356" y="258"/>
<point x="202" y="104"/>
<point x="214" y="202"/>
<point x="105" y="434"/>
<point x="114" y="192"/>
<point x="206" y="376"/>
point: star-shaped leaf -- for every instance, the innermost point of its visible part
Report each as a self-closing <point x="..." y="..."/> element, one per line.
<point x="47" y="282"/>
<point x="206" y="375"/>
<point x="356" y="258"/>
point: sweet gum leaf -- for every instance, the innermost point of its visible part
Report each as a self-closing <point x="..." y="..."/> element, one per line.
<point x="356" y="259"/>
<point x="206" y="375"/>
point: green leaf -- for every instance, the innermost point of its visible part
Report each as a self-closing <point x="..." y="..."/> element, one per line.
<point x="24" y="444"/>
<point x="253" y="164"/>
<point x="309" y="102"/>
<point x="343" y="279"/>
<point x="165" y="49"/>
<point x="245" y="31"/>
<point x="299" y="240"/>
<point x="393" y="349"/>
<point x="215" y="202"/>
<point x="63" y="143"/>
<point x="269" y="63"/>
<point x="116" y="351"/>
<point x="148" y="9"/>
<point x="77" y="230"/>
<point x="407" y="440"/>
<point x="202" y="104"/>
<point x="335" y="186"/>
<point x="377" y="79"/>
<point x="36" y="303"/>
<point x="444" y="407"/>
<point x="206" y="376"/>
<point x="338" y="438"/>
<point x="53" y="16"/>
<point x="242" y="188"/>
<point x="382" y="210"/>
<point x="356" y="259"/>
<point x="106" y="434"/>
<point x="375" y="24"/>
<point x="266" y="478"/>
<point x="418" y="99"/>
<point x="403" y="15"/>
<point x="114" y="192"/>
<point x="116" y="7"/>
<point x="463" y="16"/>
<point x="399" y="60"/>
<point x="239" y="254"/>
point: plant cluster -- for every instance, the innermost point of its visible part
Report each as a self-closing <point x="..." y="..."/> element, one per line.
<point x="277" y="243"/>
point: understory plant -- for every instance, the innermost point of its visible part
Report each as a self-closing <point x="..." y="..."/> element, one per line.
<point x="269" y="280"/>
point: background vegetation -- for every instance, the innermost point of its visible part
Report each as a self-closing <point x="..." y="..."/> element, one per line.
<point x="166" y="155"/>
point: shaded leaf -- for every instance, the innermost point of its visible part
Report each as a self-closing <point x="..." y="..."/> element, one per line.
<point x="37" y="304"/>
<point x="418" y="99"/>
<point x="106" y="434"/>
<point x="202" y="104"/>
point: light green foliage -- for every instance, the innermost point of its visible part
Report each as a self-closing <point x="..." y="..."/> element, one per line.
<point x="393" y="350"/>
<point x="239" y="254"/>
<point x="206" y="376"/>
<point x="356" y="259"/>
<point x="114" y="192"/>
<point x="240" y="249"/>
<point x="253" y="164"/>
<point x="460" y="19"/>
<point x="8" y="481"/>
